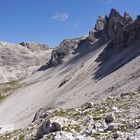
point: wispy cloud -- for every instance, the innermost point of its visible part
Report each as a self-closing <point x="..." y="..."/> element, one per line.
<point x="77" y="24"/>
<point x="60" y="16"/>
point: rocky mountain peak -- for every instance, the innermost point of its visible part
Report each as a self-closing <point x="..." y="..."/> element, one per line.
<point x="100" y="23"/>
<point x="114" y="23"/>
<point x="109" y="26"/>
<point x="114" y="13"/>
<point x="127" y="17"/>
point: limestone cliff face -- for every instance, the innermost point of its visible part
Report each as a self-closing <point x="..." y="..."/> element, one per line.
<point x="126" y="37"/>
<point x="106" y="28"/>
<point x="66" y="47"/>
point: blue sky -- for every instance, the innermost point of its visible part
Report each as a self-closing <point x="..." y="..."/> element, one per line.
<point x="51" y="21"/>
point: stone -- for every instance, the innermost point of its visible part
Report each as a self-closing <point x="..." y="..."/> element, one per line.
<point x="46" y="128"/>
<point x="89" y="105"/>
<point x="63" y="135"/>
<point x="115" y="109"/>
<point x="55" y="127"/>
<point x="40" y="114"/>
<point x="43" y="129"/>
<point x="115" y="135"/>
<point x="113" y="126"/>
<point x="100" y="127"/>
<point x="110" y="118"/>
<point x="89" y="125"/>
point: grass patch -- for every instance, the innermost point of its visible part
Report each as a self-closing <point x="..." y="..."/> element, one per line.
<point x="21" y="137"/>
<point x="23" y="52"/>
<point x="9" y="86"/>
<point x="1" y="97"/>
<point x="7" y="89"/>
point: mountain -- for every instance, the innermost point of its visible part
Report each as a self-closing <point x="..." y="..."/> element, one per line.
<point x="104" y="64"/>
<point x="20" y="60"/>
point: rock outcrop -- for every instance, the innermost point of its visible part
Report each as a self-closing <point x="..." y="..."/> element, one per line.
<point x="46" y="128"/>
<point x="106" y="28"/>
<point x="66" y="48"/>
<point x="125" y="38"/>
<point x="114" y="23"/>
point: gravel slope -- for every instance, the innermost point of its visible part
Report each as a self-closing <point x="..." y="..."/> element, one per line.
<point x="69" y="85"/>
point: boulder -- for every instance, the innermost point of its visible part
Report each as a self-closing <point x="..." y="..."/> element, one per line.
<point x="43" y="129"/>
<point x="89" y="105"/>
<point x="115" y="136"/>
<point x="110" y="118"/>
<point x="40" y="114"/>
<point x="55" y="127"/>
<point x="46" y="128"/>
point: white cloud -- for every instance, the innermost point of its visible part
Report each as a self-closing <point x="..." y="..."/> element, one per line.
<point x="60" y="16"/>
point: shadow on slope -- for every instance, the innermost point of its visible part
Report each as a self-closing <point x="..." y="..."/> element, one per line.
<point x="120" y="50"/>
<point x="117" y="59"/>
<point x="84" y="48"/>
<point x="60" y="54"/>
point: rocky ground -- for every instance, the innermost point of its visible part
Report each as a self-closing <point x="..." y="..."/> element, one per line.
<point x="117" y="117"/>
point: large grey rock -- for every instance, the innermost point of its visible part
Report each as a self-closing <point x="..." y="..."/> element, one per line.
<point x="46" y="128"/>
<point x="109" y="118"/>
<point x="43" y="129"/>
<point x="115" y="136"/>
